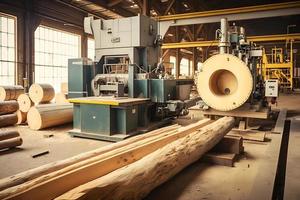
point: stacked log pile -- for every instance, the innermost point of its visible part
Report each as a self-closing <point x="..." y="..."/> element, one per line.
<point x="35" y="108"/>
<point x="114" y="172"/>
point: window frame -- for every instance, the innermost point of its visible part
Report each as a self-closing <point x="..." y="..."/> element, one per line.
<point x="57" y="29"/>
<point x="15" y="62"/>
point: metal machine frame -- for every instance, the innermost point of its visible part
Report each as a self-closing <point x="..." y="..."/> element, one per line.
<point x="276" y="66"/>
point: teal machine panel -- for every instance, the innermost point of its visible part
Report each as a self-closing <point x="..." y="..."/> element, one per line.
<point x="80" y="74"/>
<point x="108" y="122"/>
<point x="163" y="90"/>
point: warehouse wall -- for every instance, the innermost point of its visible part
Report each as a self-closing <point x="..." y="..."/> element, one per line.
<point x="30" y="14"/>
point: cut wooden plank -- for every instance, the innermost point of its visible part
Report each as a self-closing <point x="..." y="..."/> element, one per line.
<point x="7" y="107"/>
<point x="44" y="116"/>
<point x="292" y="176"/>
<point x="55" y="166"/>
<point x="280" y="121"/>
<point x="22" y="117"/>
<point x="248" y="134"/>
<point x="41" y="93"/>
<point x="10" y="92"/>
<point x="154" y="169"/>
<point x="226" y="159"/>
<point x="10" y="143"/>
<point x="4" y="135"/>
<point x="24" y="102"/>
<point x="8" y="119"/>
<point x="87" y="170"/>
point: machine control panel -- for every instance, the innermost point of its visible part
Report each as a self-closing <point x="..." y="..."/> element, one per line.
<point x="271" y="88"/>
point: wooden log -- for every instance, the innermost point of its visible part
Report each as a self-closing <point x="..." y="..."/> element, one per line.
<point x="24" y="102"/>
<point x="7" y="107"/>
<point x="10" y="143"/>
<point x="8" y="134"/>
<point x="44" y="116"/>
<point x="61" y="98"/>
<point x="8" y="119"/>
<point x="22" y="117"/>
<point x="107" y="162"/>
<point x="10" y="92"/>
<point x="154" y="169"/>
<point x="48" y="168"/>
<point x="41" y="93"/>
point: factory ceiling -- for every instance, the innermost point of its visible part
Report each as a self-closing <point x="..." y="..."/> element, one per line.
<point x="111" y="9"/>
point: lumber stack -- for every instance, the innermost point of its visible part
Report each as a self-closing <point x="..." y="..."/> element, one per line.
<point x="10" y="139"/>
<point x="114" y="172"/>
<point x="10" y="92"/>
<point x="49" y="115"/>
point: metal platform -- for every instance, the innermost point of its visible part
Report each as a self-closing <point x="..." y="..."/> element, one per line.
<point x="245" y="111"/>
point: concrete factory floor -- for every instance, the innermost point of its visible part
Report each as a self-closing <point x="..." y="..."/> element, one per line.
<point x="198" y="181"/>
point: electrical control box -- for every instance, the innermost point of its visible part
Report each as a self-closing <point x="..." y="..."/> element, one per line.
<point x="271" y="88"/>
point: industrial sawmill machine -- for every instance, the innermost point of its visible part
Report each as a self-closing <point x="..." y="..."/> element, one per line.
<point x="126" y="90"/>
<point x="232" y="79"/>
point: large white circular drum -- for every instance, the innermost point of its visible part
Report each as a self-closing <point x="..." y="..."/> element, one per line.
<point x="224" y="82"/>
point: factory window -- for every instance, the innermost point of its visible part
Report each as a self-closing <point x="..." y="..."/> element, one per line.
<point x="53" y="48"/>
<point x="173" y="60"/>
<point x="184" y="67"/>
<point x="7" y="50"/>
<point x="91" y="48"/>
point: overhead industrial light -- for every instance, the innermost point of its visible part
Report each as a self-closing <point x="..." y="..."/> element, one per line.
<point x="134" y="6"/>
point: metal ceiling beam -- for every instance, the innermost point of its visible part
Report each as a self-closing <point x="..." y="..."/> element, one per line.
<point x="260" y="38"/>
<point x="118" y="10"/>
<point x="81" y="9"/>
<point x="241" y="13"/>
<point x="113" y="3"/>
<point x="240" y="10"/>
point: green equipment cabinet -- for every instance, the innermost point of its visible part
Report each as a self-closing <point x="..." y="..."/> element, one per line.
<point x="108" y="119"/>
<point x="80" y="74"/>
